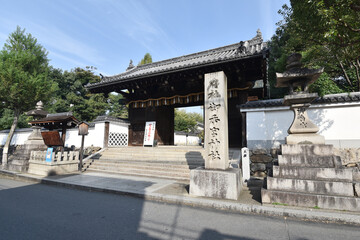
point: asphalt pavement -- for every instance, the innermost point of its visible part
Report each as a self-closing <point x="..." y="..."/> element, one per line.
<point x="171" y="191"/>
<point x="31" y="210"/>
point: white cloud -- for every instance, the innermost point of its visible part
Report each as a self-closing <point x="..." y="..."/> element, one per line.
<point x="53" y="38"/>
<point x="136" y="21"/>
<point x="62" y="42"/>
<point x="67" y="59"/>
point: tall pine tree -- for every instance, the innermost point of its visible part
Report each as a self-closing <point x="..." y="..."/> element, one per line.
<point x="23" y="77"/>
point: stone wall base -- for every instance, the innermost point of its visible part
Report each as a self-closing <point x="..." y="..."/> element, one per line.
<point x="305" y="139"/>
<point x="309" y="175"/>
<point x="48" y="169"/>
<point x="224" y="184"/>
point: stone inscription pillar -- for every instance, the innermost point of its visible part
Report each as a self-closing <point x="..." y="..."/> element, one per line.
<point x="216" y="121"/>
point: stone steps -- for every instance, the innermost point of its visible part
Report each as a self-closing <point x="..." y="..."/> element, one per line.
<point x="161" y="167"/>
<point x="163" y="162"/>
<point x="17" y="165"/>
<point x="179" y="177"/>
<point x="156" y="171"/>
<point x="163" y="150"/>
<point x="334" y="174"/>
<point x="311" y="186"/>
<point x="309" y="161"/>
<point x="307" y="149"/>
<point x="179" y="164"/>
<point x="152" y="158"/>
<point x="139" y="155"/>
<point x="154" y="161"/>
<point x="311" y="176"/>
<point x="310" y="200"/>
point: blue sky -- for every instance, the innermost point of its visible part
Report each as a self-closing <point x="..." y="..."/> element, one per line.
<point x="108" y="33"/>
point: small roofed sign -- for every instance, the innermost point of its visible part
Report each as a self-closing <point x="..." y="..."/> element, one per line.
<point x="83" y="128"/>
<point x="149" y="133"/>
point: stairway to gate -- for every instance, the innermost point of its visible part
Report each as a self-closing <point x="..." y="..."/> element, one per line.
<point x="170" y="162"/>
<point x="162" y="162"/>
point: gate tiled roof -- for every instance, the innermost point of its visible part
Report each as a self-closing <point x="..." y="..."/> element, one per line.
<point x="228" y="53"/>
<point x="331" y="98"/>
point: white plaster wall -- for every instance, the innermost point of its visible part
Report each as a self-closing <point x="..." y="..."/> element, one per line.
<point x="72" y="138"/>
<point x="256" y="125"/>
<point x="338" y="123"/>
<point x="119" y="128"/>
<point x="275" y="122"/>
<point x="181" y="140"/>
<point x="19" y="138"/>
<point x="94" y="138"/>
<point x="96" y="135"/>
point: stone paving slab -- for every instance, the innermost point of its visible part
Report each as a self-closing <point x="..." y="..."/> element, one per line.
<point x="171" y="191"/>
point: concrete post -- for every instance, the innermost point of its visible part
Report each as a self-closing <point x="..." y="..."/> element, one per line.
<point x="245" y="164"/>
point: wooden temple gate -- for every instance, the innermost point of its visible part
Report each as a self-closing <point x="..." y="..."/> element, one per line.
<point x="152" y="91"/>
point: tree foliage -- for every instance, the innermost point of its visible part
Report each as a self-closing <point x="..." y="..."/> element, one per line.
<point x="23" y="73"/>
<point x="23" y="77"/>
<point x="147" y="59"/>
<point x="71" y="95"/>
<point x="186" y="122"/>
<point x="7" y="118"/>
<point x="117" y="106"/>
<point x="327" y="33"/>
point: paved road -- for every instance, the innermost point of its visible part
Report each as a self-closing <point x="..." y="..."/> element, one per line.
<point x="35" y="211"/>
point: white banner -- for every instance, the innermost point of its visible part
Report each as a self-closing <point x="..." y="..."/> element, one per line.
<point x="149" y="133"/>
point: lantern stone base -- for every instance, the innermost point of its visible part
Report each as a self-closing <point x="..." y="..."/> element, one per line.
<point x="43" y="168"/>
<point x="306" y="138"/>
<point x="224" y="184"/>
<point x="19" y="160"/>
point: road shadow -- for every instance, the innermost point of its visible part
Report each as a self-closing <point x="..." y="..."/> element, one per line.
<point x="194" y="159"/>
<point x="209" y="234"/>
<point x="48" y="212"/>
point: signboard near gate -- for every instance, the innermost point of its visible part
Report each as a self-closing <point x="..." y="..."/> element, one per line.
<point x="149" y="133"/>
<point x="49" y="153"/>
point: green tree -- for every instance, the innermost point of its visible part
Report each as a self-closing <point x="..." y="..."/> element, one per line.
<point x="147" y="59"/>
<point x="7" y="118"/>
<point x="186" y="122"/>
<point x="23" y="77"/>
<point x="71" y="95"/>
<point x="327" y="33"/>
<point x="277" y="61"/>
<point x="117" y="107"/>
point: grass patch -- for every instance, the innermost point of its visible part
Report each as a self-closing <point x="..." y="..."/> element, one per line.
<point x="279" y="204"/>
<point x="316" y="207"/>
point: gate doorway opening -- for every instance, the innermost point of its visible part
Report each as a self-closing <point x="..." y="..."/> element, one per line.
<point x="189" y="126"/>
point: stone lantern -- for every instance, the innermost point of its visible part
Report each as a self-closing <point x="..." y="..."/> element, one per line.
<point x="37" y="113"/>
<point x="19" y="160"/>
<point x="302" y="130"/>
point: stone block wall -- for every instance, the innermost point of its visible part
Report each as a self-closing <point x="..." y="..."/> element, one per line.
<point x="350" y="157"/>
<point x="12" y="149"/>
<point x="262" y="160"/>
